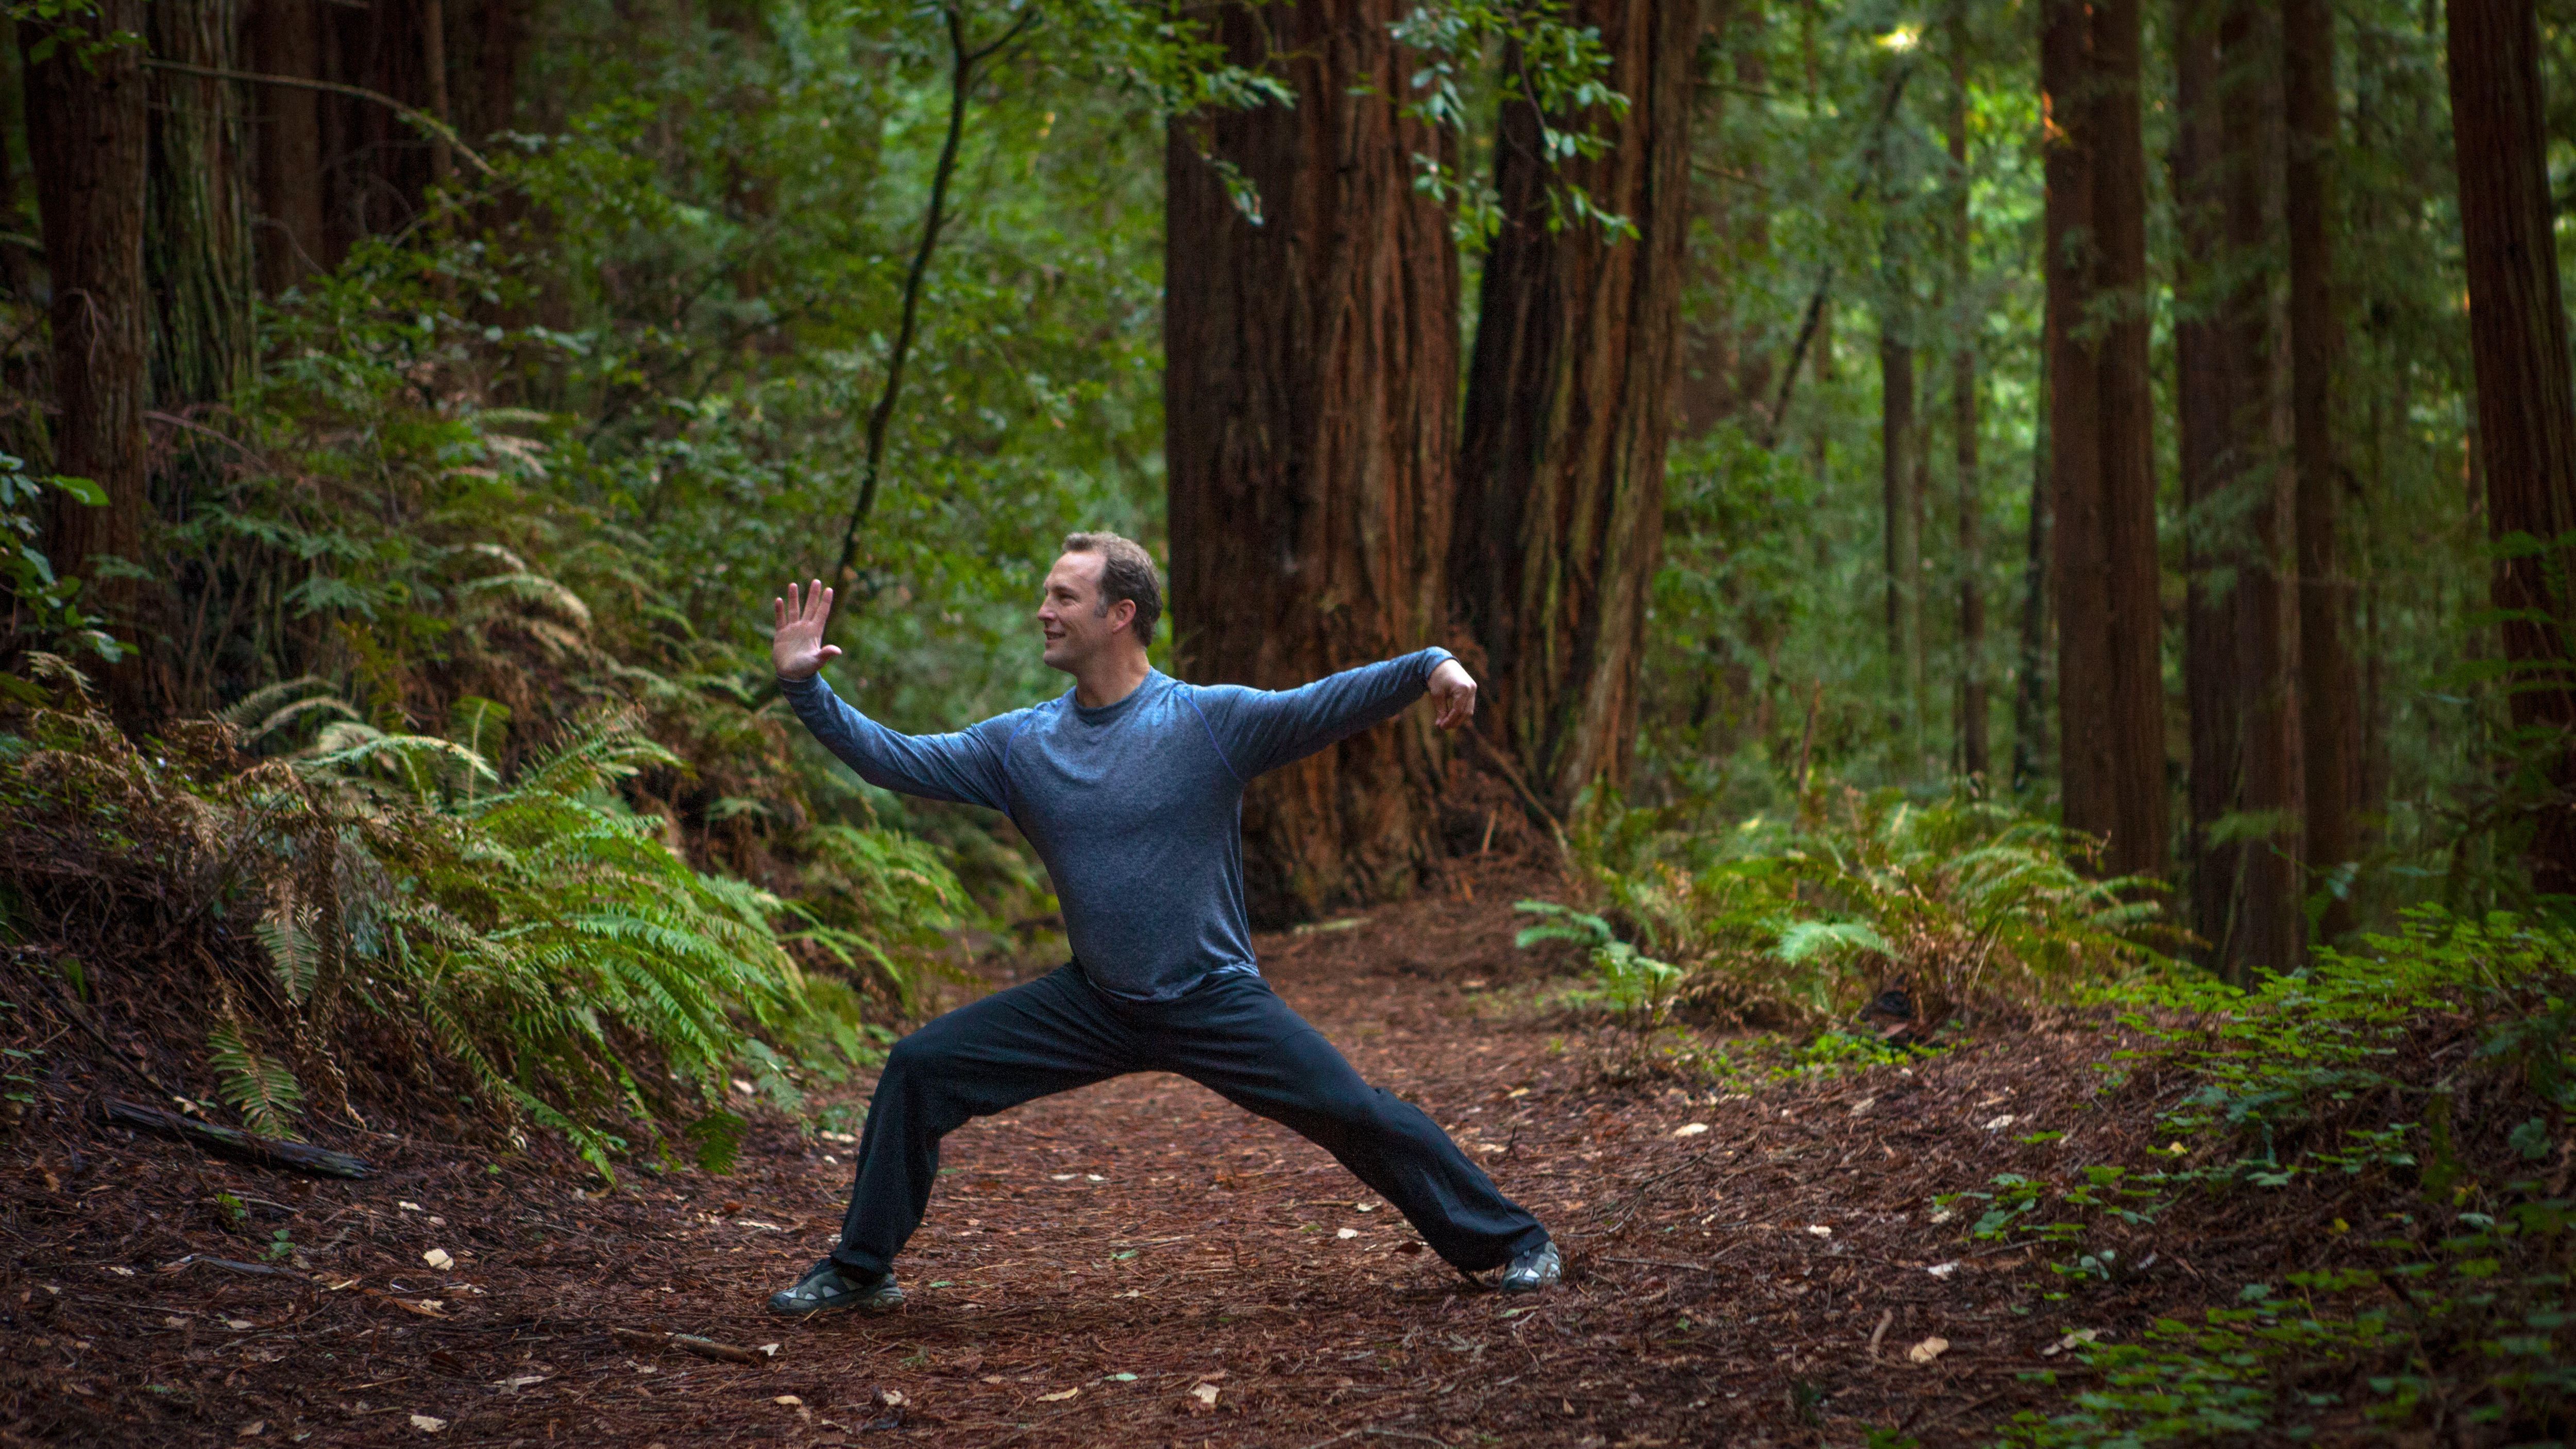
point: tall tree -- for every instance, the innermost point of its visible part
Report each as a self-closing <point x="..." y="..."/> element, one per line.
<point x="1725" y="374"/>
<point x="1900" y="520"/>
<point x="87" y="124"/>
<point x="1973" y="751"/>
<point x="2134" y="781"/>
<point x="1561" y="471"/>
<point x="2205" y="400"/>
<point x="2073" y="405"/>
<point x="2110" y="624"/>
<point x="2329" y="728"/>
<point x="197" y="229"/>
<point x="2526" y="414"/>
<point x="2268" y="924"/>
<point x="2030" y="661"/>
<point x="1310" y="385"/>
<point x="284" y="38"/>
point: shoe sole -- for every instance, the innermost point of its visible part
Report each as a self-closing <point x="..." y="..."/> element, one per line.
<point x="868" y="1304"/>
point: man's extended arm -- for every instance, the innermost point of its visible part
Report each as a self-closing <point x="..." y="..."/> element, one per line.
<point x="1263" y="729"/>
<point x="965" y="767"/>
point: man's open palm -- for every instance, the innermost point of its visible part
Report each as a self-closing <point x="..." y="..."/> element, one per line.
<point x="798" y="648"/>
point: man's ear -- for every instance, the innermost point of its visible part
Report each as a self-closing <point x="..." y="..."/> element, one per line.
<point x="1122" y="615"/>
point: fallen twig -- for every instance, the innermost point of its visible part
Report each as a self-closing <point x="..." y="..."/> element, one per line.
<point x="688" y="1343"/>
<point x="1658" y="1263"/>
<point x="263" y="1151"/>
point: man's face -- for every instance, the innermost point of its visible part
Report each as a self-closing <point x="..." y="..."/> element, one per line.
<point x="1070" y="614"/>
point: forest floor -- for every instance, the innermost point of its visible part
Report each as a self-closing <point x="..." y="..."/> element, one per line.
<point x="1135" y="1264"/>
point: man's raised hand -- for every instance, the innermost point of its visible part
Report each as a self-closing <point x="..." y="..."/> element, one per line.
<point x="1453" y="691"/>
<point x="798" y="648"/>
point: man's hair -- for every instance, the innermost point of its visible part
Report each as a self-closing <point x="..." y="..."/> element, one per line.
<point x="1126" y="572"/>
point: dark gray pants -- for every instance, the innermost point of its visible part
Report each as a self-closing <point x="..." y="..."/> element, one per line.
<point x="1231" y="1034"/>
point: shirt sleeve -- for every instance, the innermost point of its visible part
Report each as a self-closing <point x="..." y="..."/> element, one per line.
<point x="1262" y="729"/>
<point x="964" y="767"/>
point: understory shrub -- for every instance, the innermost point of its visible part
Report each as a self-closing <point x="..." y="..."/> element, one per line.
<point x="1960" y="901"/>
<point x="381" y="915"/>
<point x="2404" y="1107"/>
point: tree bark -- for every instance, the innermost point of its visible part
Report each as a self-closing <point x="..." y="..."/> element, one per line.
<point x="197" y="229"/>
<point x="1901" y="534"/>
<point x="2269" y="924"/>
<point x="87" y="137"/>
<point x="285" y="39"/>
<point x="1561" y="472"/>
<point x="2076" y="565"/>
<point x="1723" y="374"/>
<point x="2030" y="669"/>
<point x="1973" y="751"/>
<point x="2205" y="398"/>
<point x="2328" y="726"/>
<point x="2526" y="414"/>
<point x="2110" y="625"/>
<point x="2133" y="642"/>
<point x="1311" y="376"/>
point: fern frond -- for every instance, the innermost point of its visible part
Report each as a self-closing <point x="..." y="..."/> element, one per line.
<point x="262" y="1089"/>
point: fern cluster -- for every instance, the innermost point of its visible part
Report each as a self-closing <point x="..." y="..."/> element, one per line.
<point x="531" y="950"/>
<point x="1960" y="900"/>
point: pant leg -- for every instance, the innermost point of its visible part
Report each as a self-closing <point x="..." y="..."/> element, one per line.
<point x="1235" y="1036"/>
<point x="1040" y="1037"/>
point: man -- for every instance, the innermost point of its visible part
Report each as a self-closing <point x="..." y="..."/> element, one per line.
<point x="1130" y="786"/>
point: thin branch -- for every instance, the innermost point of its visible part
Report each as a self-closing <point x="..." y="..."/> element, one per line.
<point x="1816" y="303"/>
<point x="961" y="84"/>
<point x="438" y="130"/>
<point x="1797" y="358"/>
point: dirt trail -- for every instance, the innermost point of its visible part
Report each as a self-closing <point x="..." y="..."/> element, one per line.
<point x="1137" y="1264"/>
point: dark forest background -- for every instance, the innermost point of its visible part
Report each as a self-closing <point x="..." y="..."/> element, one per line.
<point x="2136" y="414"/>
<point x="1965" y="514"/>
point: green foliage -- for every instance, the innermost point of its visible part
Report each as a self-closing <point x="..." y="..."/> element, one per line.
<point x="1555" y="68"/>
<point x="45" y="608"/>
<point x="1632" y="983"/>
<point x="2463" y="1303"/>
<point x="557" y="962"/>
<point x="1964" y="900"/>
<point x="2298" y="1051"/>
<point x="259" y="1087"/>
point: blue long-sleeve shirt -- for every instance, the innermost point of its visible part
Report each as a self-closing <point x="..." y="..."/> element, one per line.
<point x="1136" y="807"/>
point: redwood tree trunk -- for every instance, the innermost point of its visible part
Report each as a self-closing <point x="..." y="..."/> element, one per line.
<point x="2328" y="728"/>
<point x="1974" y="752"/>
<point x="2110" y="624"/>
<point x="196" y="235"/>
<point x="284" y="38"/>
<point x="2133" y="643"/>
<point x="1561" y="473"/>
<point x="2076" y="564"/>
<point x="86" y="129"/>
<point x="1901" y="540"/>
<point x="2526" y="434"/>
<point x="1311" y="377"/>
<point x="2205" y="397"/>
<point x="2268" y="920"/>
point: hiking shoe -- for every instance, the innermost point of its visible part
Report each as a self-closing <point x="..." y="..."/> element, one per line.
<point x="826" y="1289"/>
<point x="1538" y="1268"/>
